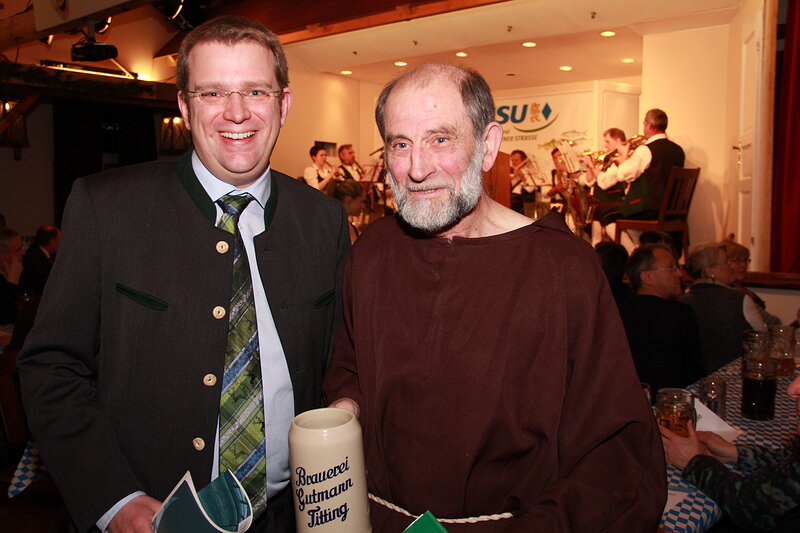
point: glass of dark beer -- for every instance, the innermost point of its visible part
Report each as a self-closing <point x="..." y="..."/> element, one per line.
<point x="758" y="387"/>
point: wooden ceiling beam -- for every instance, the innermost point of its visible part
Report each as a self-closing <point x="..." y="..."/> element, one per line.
<point x="311" y="29"/>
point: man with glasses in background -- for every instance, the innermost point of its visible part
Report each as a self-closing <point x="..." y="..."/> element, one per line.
<point x="662" y="332"/>
<point x="185" y="324"/>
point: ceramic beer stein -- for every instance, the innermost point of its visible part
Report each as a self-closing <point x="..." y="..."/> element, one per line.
<point x="329" y="483"/>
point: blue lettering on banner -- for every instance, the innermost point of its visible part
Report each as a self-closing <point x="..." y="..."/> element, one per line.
<point x="535" y="112"/>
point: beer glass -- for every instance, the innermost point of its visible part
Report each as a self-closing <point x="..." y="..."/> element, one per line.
<point x="675" y="409"/>
<point x="758" y="387"/>
<point x="781" y="349"/>
<point x="713" y="394"/>
<point x="329" y="483"/>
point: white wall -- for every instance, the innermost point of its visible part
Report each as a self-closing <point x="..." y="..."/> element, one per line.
<point x="329" y="108"/>
<point x="26" y="186"/>
<point x="685" y="74"/>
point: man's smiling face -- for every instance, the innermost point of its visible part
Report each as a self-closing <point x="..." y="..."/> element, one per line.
<point x="234" y="139"/>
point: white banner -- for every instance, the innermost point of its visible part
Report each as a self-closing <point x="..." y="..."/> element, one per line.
<point x="535" y="124"/>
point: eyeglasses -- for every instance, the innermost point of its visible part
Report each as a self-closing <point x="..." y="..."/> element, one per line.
<point x="745" y="261"/>
<point x="253" y="96"/>
<point x="673" y="268"/>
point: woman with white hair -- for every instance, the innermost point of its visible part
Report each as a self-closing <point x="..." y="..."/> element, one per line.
<point x="723" y="313"/>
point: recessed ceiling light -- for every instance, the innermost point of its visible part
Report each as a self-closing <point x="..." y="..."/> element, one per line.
<point x="529" y="44"/>
<point x="346" y="72"/>
<point x="401" y="63"/>
<point x="461" y="54"/>
<point x="628" y="60"/>
<point x="607" y="33"/>
<point x="565" y="68"/>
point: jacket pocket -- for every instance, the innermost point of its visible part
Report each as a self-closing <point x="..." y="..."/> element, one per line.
<point x="147" y="300"/>
<point x="324" y="300"/>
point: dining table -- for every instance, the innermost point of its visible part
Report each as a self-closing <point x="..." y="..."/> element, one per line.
<point x="696" y="512"/>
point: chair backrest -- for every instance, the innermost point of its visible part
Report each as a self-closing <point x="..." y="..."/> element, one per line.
<point x="678" y="193"/>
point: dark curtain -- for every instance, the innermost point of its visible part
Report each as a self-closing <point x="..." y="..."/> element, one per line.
<point x="785" y="249"/>
<point x="91" y="137"/>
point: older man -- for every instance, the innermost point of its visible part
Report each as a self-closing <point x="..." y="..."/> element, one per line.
<point x="662" y="332"/>
<point x="505" y="395"/>
<point x="192" y="307"/>
<point x="349" y="167"/>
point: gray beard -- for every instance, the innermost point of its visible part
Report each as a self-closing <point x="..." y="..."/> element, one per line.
<point x="435" y="215"/>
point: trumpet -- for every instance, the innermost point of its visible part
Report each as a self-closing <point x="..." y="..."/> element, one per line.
<point x="635" y="142"/>
<point x="600" y="156"/>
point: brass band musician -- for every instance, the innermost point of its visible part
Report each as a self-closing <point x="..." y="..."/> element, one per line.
<point x="349" y="167"/>
<point x="607" y="191"/>
<point x="320" y="173"/>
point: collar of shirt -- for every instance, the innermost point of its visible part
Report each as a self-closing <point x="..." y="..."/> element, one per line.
<point x="216" y="188"/>
<point x="656" y="137"/>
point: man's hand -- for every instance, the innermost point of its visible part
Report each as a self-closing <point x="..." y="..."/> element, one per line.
<point x="135" y="516"/>
<point x="347" y="404"/>
<point x="718" y="447"/>
<point x="680" y="450"/>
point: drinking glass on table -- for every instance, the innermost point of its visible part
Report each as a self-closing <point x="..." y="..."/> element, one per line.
<point x="781" y="349"/>
<point x="675" y="409"/>
<point x="758" y="387"/>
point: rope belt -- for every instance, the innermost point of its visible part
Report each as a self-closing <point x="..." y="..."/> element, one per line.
<point x="470" y="520"/>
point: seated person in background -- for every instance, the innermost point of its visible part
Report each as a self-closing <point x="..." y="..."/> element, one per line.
<point x="613" y="257"/>
<point x="662" y="332"/>
<point x="739" y="259"/>
<point x="606" y="190"/>
<point x="38" y="260"/>
<point x="723" y="314"/>
<point x="349" y="168"/>
<point x="11" y="251"/>
<point x="767" y="499"/>
<point x="320" y="173"/>
<point x="518" y="157"/>
<point x="351" y="194"/>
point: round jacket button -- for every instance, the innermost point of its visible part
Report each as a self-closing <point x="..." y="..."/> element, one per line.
<point x="222" y="247"/>
<point x="209" y="380"/>
<point x="219" y="312"/>
<point x="198" y="444"/>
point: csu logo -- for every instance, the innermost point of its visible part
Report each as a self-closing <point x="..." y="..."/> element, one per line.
<point x="527" y="115"/>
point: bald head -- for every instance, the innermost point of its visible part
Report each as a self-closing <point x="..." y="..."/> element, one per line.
<point x="475" y="93"/>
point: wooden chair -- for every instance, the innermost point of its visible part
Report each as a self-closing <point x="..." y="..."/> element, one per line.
<point x="674" y="210"/>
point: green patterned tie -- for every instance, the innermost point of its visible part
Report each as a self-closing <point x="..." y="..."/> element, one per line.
<point x="242" y="446"/>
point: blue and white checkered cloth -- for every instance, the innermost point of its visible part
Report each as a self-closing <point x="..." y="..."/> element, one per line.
<point x="697" y="512"/>
<point x="30" y="468"/>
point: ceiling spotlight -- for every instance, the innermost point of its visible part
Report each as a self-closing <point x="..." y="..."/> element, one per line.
<point x="346" y="72"/>
<point x="461" y="54"/>
<point x="565" y="68"/>
<point x="628" y="60"/>
<point x="607" y="33"/>
<point x="401" y="63"/>
<point x="529" y="44"/>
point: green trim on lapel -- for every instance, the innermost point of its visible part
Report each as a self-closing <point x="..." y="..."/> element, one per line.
<point x="272" y="201"/>
<point x="196" y="191"/>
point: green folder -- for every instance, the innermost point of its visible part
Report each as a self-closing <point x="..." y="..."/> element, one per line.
<point x="426" y="523"/>
<point x="221" y="506"/>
